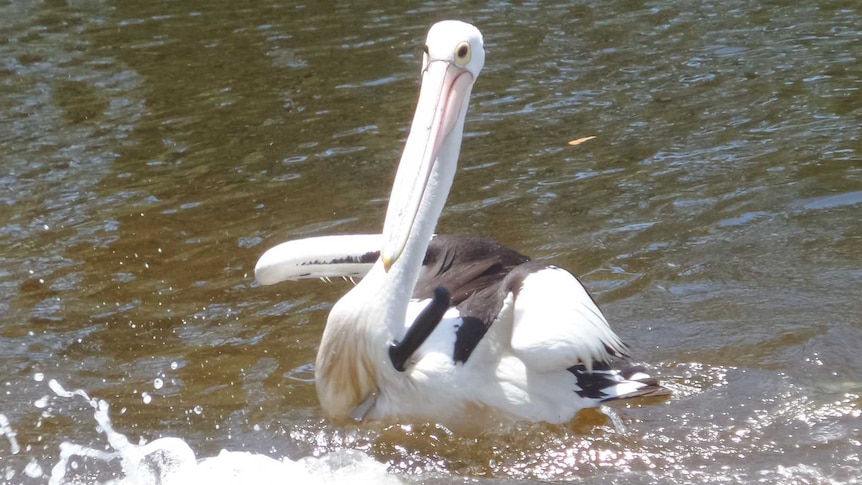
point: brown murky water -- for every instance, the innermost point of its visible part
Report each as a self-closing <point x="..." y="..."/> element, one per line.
<point x="151" y="151"/>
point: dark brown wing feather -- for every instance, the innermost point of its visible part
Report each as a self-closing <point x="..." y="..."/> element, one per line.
<point x="480" y="264"/>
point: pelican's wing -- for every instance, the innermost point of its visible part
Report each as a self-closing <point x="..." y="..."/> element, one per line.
<point x="464" y="266"/>
<point x="344" y="256"/>
<point x="319" y="257"/>
<point x="555" y="323"/>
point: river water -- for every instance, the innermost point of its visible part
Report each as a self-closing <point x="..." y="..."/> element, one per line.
<point x="150" y="151"/>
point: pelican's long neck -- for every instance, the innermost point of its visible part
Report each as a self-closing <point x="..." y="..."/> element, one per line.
<point x="353" y="358"/>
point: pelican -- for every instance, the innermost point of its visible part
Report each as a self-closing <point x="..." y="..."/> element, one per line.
<point x="451" y="329"/>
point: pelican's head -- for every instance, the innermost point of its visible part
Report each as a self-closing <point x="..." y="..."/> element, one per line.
<point x="455" y="42"/>
<point x="454" y="55"/>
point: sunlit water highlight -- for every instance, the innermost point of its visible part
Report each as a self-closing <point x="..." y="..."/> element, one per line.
<point x="614" y="445"/>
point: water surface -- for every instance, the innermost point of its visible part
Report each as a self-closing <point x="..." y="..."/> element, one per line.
<point x="151" y="151"/>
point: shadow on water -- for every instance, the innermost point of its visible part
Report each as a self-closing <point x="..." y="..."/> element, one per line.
<point x="153" y="150"/>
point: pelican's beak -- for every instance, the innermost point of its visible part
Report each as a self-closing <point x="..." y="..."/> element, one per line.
<point x="445" y="87"/>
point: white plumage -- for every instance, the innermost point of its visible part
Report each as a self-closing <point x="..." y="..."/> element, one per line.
<point x="557" y="324"/>
<point x="519" y="339"/>
<point x="318" y="257"/>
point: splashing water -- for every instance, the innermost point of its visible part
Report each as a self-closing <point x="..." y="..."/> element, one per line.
<point x="9" y="433"/>
<point x="171" y="460"/>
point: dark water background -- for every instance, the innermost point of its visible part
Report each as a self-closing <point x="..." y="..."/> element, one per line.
<point x="151" y="151"/>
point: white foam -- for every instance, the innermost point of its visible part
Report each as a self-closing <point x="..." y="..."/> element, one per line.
<point x="7" y="431"/>
<point x="170" y="460"/>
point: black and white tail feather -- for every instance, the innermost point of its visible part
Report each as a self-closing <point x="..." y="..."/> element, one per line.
<point x="607" y="383"/>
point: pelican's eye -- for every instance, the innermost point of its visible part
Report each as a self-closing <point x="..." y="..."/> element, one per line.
<point x="462" y="54"/>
